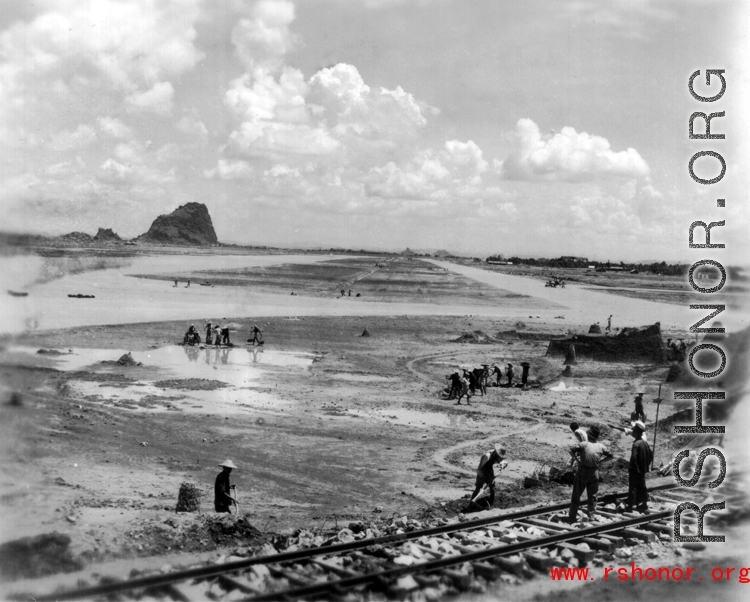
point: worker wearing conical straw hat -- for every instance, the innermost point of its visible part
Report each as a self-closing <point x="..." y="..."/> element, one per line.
<point x="222" y="498"/>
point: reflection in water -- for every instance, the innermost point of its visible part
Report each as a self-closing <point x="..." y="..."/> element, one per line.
<point x="192" y="353"/>
<point x="257" y="355"/>
<point x="211" y="356"/>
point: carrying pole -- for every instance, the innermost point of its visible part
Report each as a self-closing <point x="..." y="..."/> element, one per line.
<point x="657" y="401"/>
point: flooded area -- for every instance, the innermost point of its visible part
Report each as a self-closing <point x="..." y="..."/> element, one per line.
<point x="221" y="379"/>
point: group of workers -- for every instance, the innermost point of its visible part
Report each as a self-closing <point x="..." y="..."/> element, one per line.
<point x="587" y="456"/>
<point x="219" y="335"/>
<point x="465" y="382"/>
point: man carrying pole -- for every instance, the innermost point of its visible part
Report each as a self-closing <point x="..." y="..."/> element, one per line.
<point x="641" y="458"/>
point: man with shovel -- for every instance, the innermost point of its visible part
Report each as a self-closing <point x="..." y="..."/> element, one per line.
<point x="224" y="496"/>
<point x="486" y="476"/>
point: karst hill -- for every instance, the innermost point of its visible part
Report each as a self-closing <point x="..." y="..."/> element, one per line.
<point x="188" y="224"/>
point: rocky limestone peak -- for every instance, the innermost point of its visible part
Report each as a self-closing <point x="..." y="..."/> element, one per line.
<point x="106" y="234"/>
<point x="189" y="224"/>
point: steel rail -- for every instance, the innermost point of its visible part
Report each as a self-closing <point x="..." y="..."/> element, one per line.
<point x="318" y="589"/>
<point x="230" y="567"/>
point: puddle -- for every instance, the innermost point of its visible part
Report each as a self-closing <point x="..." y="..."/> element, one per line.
<point x="361" y="378"/>
<point x="135" y="392"/>
<point x="416" y="418"/>
<point x="147" y="397"/>
<point x="561" y="386"/>
<point x="241" y="368"/>
<point x="236" y="366"/>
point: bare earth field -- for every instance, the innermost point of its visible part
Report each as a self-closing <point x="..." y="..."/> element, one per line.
<point x="325" y="425"/>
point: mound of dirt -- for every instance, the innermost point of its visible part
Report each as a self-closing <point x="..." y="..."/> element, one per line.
<point x="642" y="345"/>
<point x="683" y="417"/>
<point x="193" y="384"/>
<point x="125" y="360"/>
<point x="230" y="527"/>
<point x="595" y="329"/>
<point x="189" y="224"/>
<point x="477" y="337"/>
<point x="37" y="556"/>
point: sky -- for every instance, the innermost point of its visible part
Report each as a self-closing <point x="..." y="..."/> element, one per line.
<point x="477" y="126"/>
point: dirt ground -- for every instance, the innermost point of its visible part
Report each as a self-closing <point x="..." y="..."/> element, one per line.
<point x="325" y="425"/>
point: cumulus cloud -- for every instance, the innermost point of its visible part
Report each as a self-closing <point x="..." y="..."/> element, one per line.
<point x="567" y="156"/>
<point x="455" y="171"/>
<point x="79" y="138"/>
<point x="114" y="127"/>
<point x="157" y="99"/>
<point x="98" y="47"/>
<point x="264" y="39"/>
<point x="191" y="124"/>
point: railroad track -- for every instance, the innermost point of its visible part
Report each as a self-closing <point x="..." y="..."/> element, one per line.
<point x="438" y="560"/>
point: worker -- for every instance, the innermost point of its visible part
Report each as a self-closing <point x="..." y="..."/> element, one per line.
<point x="455" y="381"/>
<point x="175" y="284"/>
<point x="209" y="327"/>
<point x="486" y="471"/>
<point x="609" y="324"/>
<point x="188" y="284"/>
<point x="509" y="374"/>
<point x="525" y="367"/>
<point x="222" y="496"/>
<point x="498" y="372"/>
<point x="638" y="413"/>
<point x="589" y="455"/>
<point x="257" y="335"/>
<point x="579" y="433"/>
<point x="191" y="336"/>
<point x="464" y="390"/>
<point x="471" y="378"/>
<point x="479" y="380"/>
<point x="641" y="457"/>
<point x="225" y="335"/>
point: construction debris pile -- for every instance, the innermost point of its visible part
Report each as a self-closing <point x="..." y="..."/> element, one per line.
<point x="638" y="345"/>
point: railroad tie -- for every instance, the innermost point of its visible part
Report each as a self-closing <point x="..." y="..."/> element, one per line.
<point x="542" y="562"/>
<point x="615" y="540"/>
<point x="290" y="576"/>
<point x="240" y="583"/>
<point x="509" y="565"/>
<point x="646" y="536"/>
<point x="334" y="568"/>
<point x="595" y="543"/>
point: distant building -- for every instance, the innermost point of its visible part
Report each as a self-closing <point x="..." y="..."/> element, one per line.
<point x="573" y="259"/>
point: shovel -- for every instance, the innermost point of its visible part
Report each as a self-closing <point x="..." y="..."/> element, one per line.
<point x="233" y="495"/>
